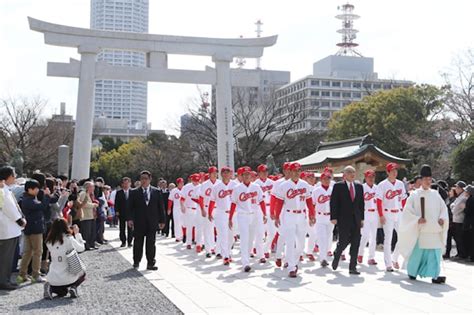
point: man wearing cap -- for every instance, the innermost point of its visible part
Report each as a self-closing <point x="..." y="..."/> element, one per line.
<point x="266" y="184"/>
<point x="219" y="209"/>
<point x="292" y="198"/>
<point x="244" y="198"/>
<point x="279" y="238"/>
<point x="324" y="228"/>
<point x="423" y="230"/>
<point x="371" y="219"/>
<point x="190" y="204"/>
<point x="174" y="205"/>
<point x="457" y="208"/>
<point x="391" y="197"/>
<point x="204" y="200"/>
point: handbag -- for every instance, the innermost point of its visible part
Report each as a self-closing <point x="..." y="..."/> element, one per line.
<point x="75" y="265"/>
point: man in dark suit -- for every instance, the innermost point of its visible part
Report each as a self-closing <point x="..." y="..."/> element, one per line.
<point x="146" y="216"/>
<point x="121" y="205"/>
<point x="347" y="211"/>
<point x="163" y="188"/>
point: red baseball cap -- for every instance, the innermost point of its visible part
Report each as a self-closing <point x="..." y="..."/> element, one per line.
<point x="179" y="180"/>
<point x="295" y="166"/>
<point x="286" y="166"/>
<point x="206" y="176"/>
<point x="369" y="173"/>
<point x="244" y="169"/>
<point x="195" y="177"/>
<point x="310" y="174"/>
<point x="226" y="169"/>
<point x="212" y="169"/>
<point x="326" y="174"/>
<point x="262" y="168"/>
<point x="392" y="166"/>
<point x="303" y="175"/>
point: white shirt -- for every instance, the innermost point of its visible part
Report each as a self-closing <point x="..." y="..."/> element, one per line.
<point x="266" y="187"/>
<point x="246" y="197"/>
<point x="293" y="194"/>
<point x="190" y="192"/>
<point x="221" y="194"/>
<point x="369" y="196"/>
<point x="9" y="214"/>
<point x="206" y="190"/>
<point x="391" y="194"/>
<point x="58" y="274"/>
<point x="322" y="202"/>
<point x="175" y="197"/>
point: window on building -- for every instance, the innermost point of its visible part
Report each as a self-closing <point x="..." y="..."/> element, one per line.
<point x="315" y="82"/>
<point x="377" y="86"/>
<point x="346" y="94"/>
<point x="336" y="94"/>
<point x="325" y="104"/>
<point x="346" y="84"/>
<point x="325" y="93"/>
<point x="314" y="103"/>
<point x="387" y="86"/>
<point x="326" y="83"/>
<point x="314" y="93"/>
<point x="336" y="83"/>
<point x="336" y="104"/>
<point x="325" y="114"/>
<point x="356" y="85"/>
<point x="356" y="95"/>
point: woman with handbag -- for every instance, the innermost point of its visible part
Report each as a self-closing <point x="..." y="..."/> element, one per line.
<point x="66" y="271"/>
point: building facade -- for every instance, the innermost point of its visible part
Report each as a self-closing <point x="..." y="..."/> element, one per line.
<point x="336" y="82"/>
<point x="116" y="99"/>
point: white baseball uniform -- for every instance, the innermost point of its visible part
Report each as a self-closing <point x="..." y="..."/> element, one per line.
<point x="324" y="227"/>
<point x="269" y="228"/>
<point x="206" y="225"/>
<point x="221" y="195"/>
<point x="280" y="245"/>
<point x="391" y="195"/>
<point x="371" y="221"/>
<point x="311" y="231"/>
<point x="178" y="216"/>
<point x="245" y="197"/>
<point x="293" y="218"/>
<point x="190" y="193"/>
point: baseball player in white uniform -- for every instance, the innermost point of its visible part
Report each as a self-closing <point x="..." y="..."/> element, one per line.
<point x="190" y="203"/>
<point x="219" y="209"/>
<point x="280" y="239"/>
<point x="204" y="200"/>
<point x="266" y="184"/>
<point x="371" y="219"/>
<point x="324" y="228"/>
<point x="174" y="205"/>
<point x="292" y="198"/>
<point x="244" y="197"/>
<point x="391" y="197"/>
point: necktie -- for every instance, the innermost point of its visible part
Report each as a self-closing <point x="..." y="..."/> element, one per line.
<point x="145" y="194"/>
<point x="351" y="191"/>
<point x="126" y="195"/>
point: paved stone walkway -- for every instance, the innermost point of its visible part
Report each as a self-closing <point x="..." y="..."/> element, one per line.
<point x="111" y="286"/>
<point x="204" y="286"/>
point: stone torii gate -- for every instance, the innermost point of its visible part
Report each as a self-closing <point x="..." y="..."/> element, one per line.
<point x="156" y="47"/>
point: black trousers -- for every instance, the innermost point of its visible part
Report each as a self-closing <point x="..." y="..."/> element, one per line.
<point x="147" y="238"/>
<point x="348" y="234"/>
<point x="7" y="251"/>
<point x="88" y="232"/>
<point x="169" y="223"/>
<point x="458" y="233"/>
<point x="62" y="290"/>
<point x="449" y="241"/>
<point x="469" y="242"/>
<point x="125" y="237"/>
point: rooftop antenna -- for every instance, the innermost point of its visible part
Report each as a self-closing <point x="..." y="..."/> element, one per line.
<point x="347" y="45"/>
<point x="259" y="32"/>
<point x="240" y="61"/>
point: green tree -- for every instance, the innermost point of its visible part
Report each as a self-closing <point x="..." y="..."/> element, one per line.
<point x="109" y="144"/>
<point x="463" y="160"/>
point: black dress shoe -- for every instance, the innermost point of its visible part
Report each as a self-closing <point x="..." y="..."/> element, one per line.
<point x="411" y="277"/>
<point x="439" y="280"/>
<point x="123" y="245"/>
<point x="354" y="272"/>
<point x="334" y="264"/>
<point x="130" y="244"/>
<point x="135" y="265"/>
<point x="151" y="268"/>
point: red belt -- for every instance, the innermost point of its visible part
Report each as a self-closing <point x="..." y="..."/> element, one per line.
<point x="228" y="211"/>
<point x="371" y="210"/>
<point x="324" y="213"/>
<point x="192" y="208"/>
<point x="393" y="210"/>
<point x="296" y="211"/>
<point x="267" y="204"/>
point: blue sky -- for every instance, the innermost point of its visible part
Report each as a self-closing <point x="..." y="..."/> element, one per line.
<point x="412" y="40"/>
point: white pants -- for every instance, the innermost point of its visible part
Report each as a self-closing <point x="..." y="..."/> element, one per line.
<point x="178" y="223"/>
<point x="207" y="232"/>
<point x="247" y="226"/>
<point x="271" y="231"/>
<point x="294" y="230"/>
<point x="258" y="241"/>
<point x="191" y="220"/>
<point x="391" y="224"/>
<point x="312" y="236"/>
<point x="225" y="237"/>
<point x="324" y="232"/>
<point x="369" y="233"/>
<point x="280" y="245"/>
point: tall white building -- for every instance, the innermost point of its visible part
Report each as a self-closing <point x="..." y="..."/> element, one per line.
<point x="124" y="100"/>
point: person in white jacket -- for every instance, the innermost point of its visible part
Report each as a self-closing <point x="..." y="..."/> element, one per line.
<point x="60" y="240"/>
